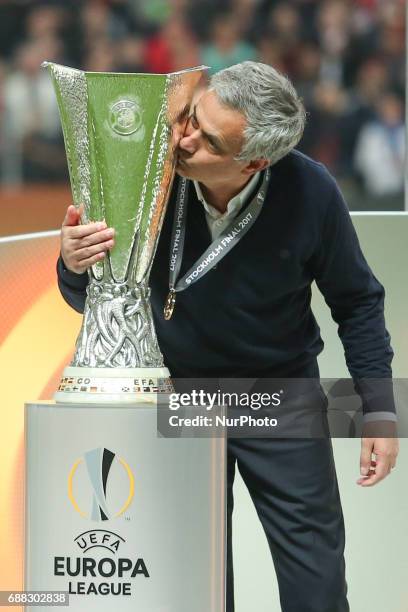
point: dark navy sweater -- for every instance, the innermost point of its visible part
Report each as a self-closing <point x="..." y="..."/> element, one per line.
<point x="250" y="316"/>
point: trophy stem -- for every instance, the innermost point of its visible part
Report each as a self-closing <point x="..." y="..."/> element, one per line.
<point x="117" y="357"/>
<point x="117" y="329"/>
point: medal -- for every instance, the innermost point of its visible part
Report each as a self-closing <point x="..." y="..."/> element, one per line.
<point x="169" y="304"/>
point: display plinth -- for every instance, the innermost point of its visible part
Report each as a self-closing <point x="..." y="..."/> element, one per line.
<point x="122" y="518"/>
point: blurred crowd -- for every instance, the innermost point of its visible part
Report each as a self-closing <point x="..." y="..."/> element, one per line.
<point x="346" y="59"/>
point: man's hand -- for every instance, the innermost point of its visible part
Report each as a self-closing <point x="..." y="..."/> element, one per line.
<point x="83" y="245"/>
<point x="385" y="451"/>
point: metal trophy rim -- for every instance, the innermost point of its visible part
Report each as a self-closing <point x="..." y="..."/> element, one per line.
<point x="202" y="67"/>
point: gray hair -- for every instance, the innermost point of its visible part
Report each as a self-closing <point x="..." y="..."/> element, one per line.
<point x="274" y="113"/>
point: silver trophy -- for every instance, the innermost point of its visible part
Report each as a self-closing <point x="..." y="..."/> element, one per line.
<point x="119" y="139"/>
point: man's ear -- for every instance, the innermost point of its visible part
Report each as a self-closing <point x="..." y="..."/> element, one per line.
<point x="255" y="166"/>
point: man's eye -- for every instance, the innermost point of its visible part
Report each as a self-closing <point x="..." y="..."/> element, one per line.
<point x="184" y="114"/>
<point x="214" y="147"/>
<point x="194" y="122"/>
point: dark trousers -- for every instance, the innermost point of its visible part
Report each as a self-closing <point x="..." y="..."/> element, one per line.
<point x="294" y="488"/>
<point x="293" y="485"/>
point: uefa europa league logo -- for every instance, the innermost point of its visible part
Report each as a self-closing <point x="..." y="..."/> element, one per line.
<point x="98" y="464"/>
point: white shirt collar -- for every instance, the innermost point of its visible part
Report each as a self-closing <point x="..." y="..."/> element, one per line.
<point x="234" y="205"/>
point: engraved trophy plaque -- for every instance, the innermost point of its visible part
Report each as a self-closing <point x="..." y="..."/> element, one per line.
<point x="120" y="149"/>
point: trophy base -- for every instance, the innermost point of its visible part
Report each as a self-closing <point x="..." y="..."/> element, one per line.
<point x="113" y="385"/>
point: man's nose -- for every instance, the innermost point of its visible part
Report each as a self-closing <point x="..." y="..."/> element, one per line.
<point x="189" y="142"/>
<point x="190" y="139"/>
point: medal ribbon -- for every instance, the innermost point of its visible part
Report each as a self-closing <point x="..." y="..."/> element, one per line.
<point x="226" y="241"/>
